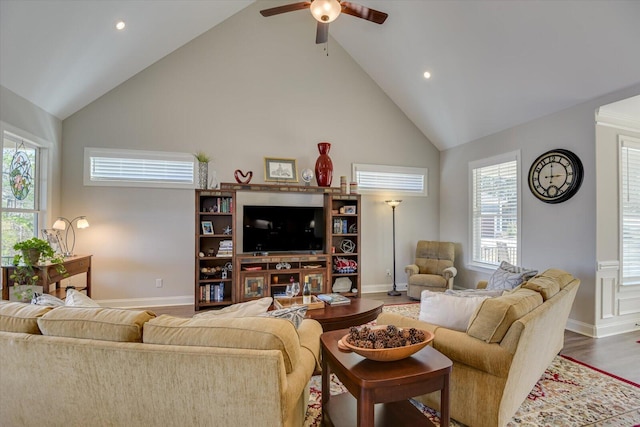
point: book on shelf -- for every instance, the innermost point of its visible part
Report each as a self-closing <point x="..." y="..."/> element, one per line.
<point x="334" y="299"/>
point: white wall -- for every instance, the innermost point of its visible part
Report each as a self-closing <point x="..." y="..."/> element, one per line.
<point x="249" y="88"/>
<point x="21" y="115"/>
<point x="562" y="235"/>
<point x="617" y="307"/>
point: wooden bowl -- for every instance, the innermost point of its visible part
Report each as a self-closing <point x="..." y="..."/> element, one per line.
<point x="386" y="354"/>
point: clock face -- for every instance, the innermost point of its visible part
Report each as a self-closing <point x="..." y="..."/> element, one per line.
<point x="555" y="176"/>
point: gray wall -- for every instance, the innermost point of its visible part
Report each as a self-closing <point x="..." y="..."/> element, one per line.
<point x="562" y="235"/>
<point x="247" y="89"/>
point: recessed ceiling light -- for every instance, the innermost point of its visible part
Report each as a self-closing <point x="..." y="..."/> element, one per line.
<point x="427" y="75"/>
<point x="120" y="25"/>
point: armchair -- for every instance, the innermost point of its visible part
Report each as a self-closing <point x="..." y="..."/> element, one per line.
<point x="433" y="269"/>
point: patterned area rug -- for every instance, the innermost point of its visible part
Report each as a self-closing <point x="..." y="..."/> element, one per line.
<point x="569" y="394"/>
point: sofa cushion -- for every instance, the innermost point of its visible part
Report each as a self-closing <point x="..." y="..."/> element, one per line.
<point x="508" y="276"/>
<point x="449" y="311"/>
<point x="546" y="286"/>
<point x="106" y="324"/>
<point x="561" y="277"/>
<point x="293" y="314"/>
<point x="243" y="309"/>
<point x="495" y="315"/>
<point x="21" y="317"/>
<point x="246" y="333"/>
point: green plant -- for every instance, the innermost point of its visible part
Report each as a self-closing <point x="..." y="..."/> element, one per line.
<point x="24" y="273"/>
<point x="202" y="157"/>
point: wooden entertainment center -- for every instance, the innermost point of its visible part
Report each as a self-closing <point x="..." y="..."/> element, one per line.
<point x="224" y="276"/>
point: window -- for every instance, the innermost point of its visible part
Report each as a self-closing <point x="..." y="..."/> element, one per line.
<point x="495" y="210"/>
<point x="630" y="209"/>
<point x="390" y="179"/>
<point x="134" y="168"/>
<point x="20" y="192"/>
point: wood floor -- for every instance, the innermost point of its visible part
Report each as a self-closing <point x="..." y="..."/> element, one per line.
<point x="618" y="355"/>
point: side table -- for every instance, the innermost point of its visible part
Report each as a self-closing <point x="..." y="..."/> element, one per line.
<point x="381" y="389"/>
<point x="49" y="275"/>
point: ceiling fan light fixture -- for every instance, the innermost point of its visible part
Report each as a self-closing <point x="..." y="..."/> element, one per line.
<point x="325" y="11"/>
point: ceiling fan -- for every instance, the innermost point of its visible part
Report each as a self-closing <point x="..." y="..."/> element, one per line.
<point x="326" y="11"/>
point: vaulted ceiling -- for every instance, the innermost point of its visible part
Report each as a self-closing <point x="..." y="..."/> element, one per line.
<point x="494" y="63"/>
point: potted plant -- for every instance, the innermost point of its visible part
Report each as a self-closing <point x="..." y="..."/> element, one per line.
<point x="24" y="277"/>
<point x="203" y="168"/>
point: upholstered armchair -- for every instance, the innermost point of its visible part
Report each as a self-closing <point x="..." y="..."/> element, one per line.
<point x="433" y="269"/>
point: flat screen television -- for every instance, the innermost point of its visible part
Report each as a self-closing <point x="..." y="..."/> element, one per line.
<point x="283" y="229"/>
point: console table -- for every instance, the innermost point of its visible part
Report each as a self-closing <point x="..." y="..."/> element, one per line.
<point x="74" y="265"/>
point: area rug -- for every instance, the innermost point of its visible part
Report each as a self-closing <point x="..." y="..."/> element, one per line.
<point x="569" y="394"/>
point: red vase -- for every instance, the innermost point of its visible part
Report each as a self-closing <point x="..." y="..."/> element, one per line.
<point x="324" y="165"/>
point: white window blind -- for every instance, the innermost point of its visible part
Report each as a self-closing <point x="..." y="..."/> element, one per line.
<point x="630" y="210"/>
<point x="139" y="168"/>
<point x="495" y="211"/>
<point x="385" y="179"/>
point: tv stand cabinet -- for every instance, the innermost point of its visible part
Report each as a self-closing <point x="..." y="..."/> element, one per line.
<point x="247" y="276"/>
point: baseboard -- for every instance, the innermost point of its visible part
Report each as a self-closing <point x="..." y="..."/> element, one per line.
<point x="371" y="289"/>
<point x="147" y="302"/>
<point x="615" y="328"/>
<point x="581" y="328"/>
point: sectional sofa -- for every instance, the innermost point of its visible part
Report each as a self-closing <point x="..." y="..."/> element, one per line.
<point x="71" y="366"/>
<point x="509" y="342"/>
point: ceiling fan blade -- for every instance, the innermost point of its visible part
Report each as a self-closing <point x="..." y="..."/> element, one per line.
<point x="286" y="8"/>
<point x="363" y="12"/>
<point x="322" y="33"/>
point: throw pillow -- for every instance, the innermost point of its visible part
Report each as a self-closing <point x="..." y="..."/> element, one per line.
<point x="294" y="314"/>
<point x="508" y="276"/>
<point x="244" y="309"/>
<point x="449" y="311"/>
<point x="78" y="299"/>
<point x="46" y="300"/>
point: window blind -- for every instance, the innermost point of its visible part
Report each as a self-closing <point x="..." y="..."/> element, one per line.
<point x="630" y="211"/>
<point x="139" y="168"/>
<point x="494" y="213"/>
<point x="385" y="179"/>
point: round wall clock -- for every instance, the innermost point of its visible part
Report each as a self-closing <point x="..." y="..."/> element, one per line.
<point x="555" y="176"/>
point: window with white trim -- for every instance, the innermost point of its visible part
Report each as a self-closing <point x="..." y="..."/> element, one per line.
<point x="136" y="168"/>
<point x="495" y="210"/>
<point x="383" y="179"/>
<point x="630" y="209"/>
<point x="21" y="186"/>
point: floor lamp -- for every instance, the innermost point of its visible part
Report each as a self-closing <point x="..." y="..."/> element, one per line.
<point x="393" y="204"/>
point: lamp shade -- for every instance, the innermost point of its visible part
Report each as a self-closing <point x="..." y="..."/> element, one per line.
<point x="82" y="222"/>
<point x="325" y="11"/>
<point x="393" y="203"/>
<point x="59" y="224"/>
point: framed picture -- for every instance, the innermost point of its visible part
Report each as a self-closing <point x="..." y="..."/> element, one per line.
<point x="316" y="282"/>
<point x="350" y="209"/>
<point x="54" y="238"/>
<point x="280" y="170"/>
<point x="253" y="286"/>
<point x="207" y="227"/>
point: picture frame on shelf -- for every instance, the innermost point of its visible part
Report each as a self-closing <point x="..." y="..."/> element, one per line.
<point x="254" y="286"/>
<point x="316" y="282"/>
<point x="207" y="227"/>
<point x="280" y="170"/>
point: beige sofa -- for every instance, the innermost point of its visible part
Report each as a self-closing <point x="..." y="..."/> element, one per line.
<point x="509" y="342"/>
<point x="71" y="366"/>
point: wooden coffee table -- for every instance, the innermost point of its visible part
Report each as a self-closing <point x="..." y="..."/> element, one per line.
<point x="381" y="388"/>
<point x="359" y="312"/>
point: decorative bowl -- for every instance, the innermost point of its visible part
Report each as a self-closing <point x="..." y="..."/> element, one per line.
<point x="386" y="354"/>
